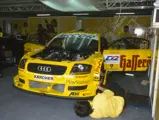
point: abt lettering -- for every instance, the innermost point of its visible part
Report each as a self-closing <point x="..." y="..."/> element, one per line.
<point x="74" y="94"/>
<point x="134" y="63"/>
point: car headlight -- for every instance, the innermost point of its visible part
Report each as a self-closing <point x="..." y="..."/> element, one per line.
<point x="81" y="69"/>
<point x="22" y="63"/>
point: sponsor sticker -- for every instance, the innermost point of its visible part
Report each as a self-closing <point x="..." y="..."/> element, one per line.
<point x="76" y="82"/>
<point x="74" y="94"/>
<point x="81" y="76"/>
<point x="112" y="61"/>
<point x="43" y="77"/>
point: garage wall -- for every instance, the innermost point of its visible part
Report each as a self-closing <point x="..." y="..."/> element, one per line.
<point x="1" y="22"/>
<point x="19" y="22"/>
<point x="65" y="24"/>
<point x="112" y="26"/>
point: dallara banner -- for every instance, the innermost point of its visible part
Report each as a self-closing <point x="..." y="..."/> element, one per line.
<point x="127" y="60"/>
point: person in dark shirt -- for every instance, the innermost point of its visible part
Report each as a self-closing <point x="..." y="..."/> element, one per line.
<point x="51" y="28"/>
<point x="41" y="32"/>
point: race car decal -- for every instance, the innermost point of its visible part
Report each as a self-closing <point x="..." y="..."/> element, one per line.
<point x="134" y="62"/>
<point x="98" y="67"/>
<point x="76" y="82"/>
<point x="45" y="77"/>
<point x="97" y="70"/>
<point x="87" y="94"/>
<point x="89" y="36"/>
<point x="112" y="60"/>
<point x="127" y="60"/>
<point x="81" y="76"/>
<point x="74" y="94"/>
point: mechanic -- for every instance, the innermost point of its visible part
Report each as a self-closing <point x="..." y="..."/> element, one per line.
<point x="51" y="28"/>
<point x="19" y="43"/>
<point x="126" y="32"/>
<point x="41" y="32"/>
<point x="103" y="105"/>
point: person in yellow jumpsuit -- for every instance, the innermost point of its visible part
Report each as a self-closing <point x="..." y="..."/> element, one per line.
<point x="103" y="105"/>
<point x="126" y="32"/>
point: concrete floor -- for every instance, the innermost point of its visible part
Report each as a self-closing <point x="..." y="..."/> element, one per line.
<point x="19" y="105"/>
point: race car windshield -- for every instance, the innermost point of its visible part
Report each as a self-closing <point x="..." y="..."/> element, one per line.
<point x="75" y="42"/>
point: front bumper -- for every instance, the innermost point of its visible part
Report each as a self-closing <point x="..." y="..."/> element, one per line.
<point x="61" y="87"/>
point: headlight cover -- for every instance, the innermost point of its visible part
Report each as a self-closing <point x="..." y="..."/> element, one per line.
<point x="22" y="63"/>
<point x="81" y="69"/>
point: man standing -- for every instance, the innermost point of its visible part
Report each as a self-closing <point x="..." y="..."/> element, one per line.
<point x="41" y="32"/>
<point x="126" y="32"/>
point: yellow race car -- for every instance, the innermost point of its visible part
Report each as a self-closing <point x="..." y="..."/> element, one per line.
<point x="69" y="66"/>
<point x="32" y="44"/>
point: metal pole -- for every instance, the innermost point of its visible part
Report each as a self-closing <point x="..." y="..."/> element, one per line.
<point x="153" y="64"/>
<point x="156" y="86"/>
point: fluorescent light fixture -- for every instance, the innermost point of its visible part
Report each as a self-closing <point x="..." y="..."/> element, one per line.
<point x="125" y="13"/>
<point x="81" y="14"/>
<point x="71" y="5"/>
<point x="40" y="15"/>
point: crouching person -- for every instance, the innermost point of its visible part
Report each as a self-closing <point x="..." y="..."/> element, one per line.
<point x="103" y="105"/>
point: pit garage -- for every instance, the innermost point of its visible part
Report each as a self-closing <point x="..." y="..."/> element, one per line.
<point x="55" y="53"/>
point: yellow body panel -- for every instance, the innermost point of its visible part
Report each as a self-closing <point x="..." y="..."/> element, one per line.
<point x="88" y="82"/>
<point x="127" y="60"/>
<point x="68" y="80"/>
<point x="30" y="47"/>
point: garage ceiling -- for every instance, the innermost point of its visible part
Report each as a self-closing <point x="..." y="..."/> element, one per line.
<point x="25" y="8"/>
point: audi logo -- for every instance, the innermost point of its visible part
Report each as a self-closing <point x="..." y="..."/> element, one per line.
<point x="44" y="68"/>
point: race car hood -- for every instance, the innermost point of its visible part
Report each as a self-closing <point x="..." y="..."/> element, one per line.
<point x="62" y="55"/>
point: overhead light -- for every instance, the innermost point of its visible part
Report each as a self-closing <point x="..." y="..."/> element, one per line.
<point x="71" y="5"/>
<point x="125" y="13"/>
<point x="40" y="15"/>
<point x="81" y="14"/>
